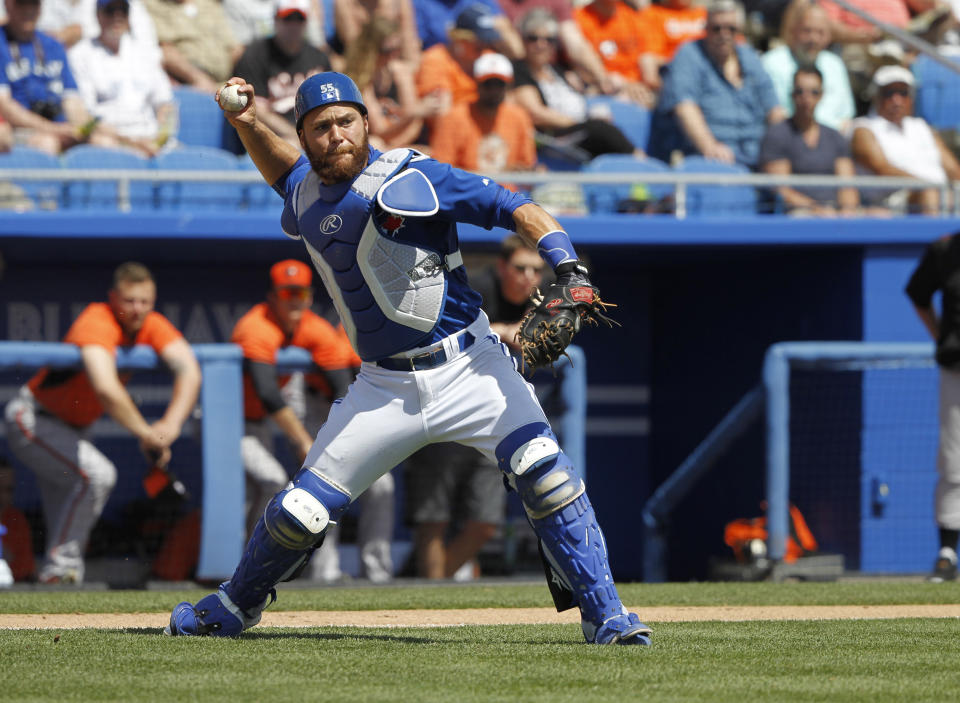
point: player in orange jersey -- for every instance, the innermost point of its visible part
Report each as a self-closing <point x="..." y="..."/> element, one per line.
<point x="47" y="422"/>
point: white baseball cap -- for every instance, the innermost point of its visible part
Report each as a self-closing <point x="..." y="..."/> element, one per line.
<point x="285" y="8"/>
<point x="493" y="66"/>
<point x="885" y="75"/>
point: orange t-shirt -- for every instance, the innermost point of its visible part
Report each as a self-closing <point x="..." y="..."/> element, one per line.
<point x="671" y="27"/>
<point x="619" y="39"/>
<point x="260" y="336"/>
<point x="17" y="544"/>
<point x="476" y="142"/>
<point x="67" y="393"/>
<point x="440" y="71"/>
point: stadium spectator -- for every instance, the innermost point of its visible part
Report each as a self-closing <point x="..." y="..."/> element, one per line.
<point x="254" y="19"/>
<point x="446" y="70"/>
<point x="277" y="65"/>
<point x="672" y="23"/>
<point x="937" y="271"/>
<point x="556" y="107"/>
<point x="624" y="42"/>
<point x="717" y="100"/>
<point x="454" y="500"/>
<point x="47" y="422"/>
<point x="69" y="21"/>
<point x="123" y="84"/>
<point x="396" y="113"/>
<point x="353" y="17"/>
<point x="806" y="35"/>
<point x="17" y="542"/>
<point x="435" y="18"/>
<point x="38" y="93"/>
<point x="577" y="51"/>
<point x="488" y="135"/>
<point x="801" y="145"/>
<point x="891" y="142"/>
<point x="196" y="42"/>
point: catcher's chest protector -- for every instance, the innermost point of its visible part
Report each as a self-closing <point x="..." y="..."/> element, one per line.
<point x="389" y="293"/>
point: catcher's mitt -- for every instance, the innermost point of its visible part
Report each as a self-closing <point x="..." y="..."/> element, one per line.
<point x="548" y="328"/>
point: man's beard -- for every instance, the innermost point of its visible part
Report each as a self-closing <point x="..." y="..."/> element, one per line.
<point x="343" y="169"/>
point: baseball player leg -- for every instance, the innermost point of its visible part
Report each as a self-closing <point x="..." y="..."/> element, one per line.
<point x="375" y="530"/>
<point x="291" y="527"/>
<point x="947" y="494"/>
<point x="325" y="563"/>
<point x="265" y="476"/>
<point x="571" y="540"/>
<point x="367" y="433"/>
<point x="75" y="480"/>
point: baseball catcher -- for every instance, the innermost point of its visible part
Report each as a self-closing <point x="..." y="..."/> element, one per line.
<point x="381" y="230"/>
<point x="556" y="316"/>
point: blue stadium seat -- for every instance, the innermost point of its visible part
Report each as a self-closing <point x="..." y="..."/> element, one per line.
<point x="201" y="120"/>
<point x="258" y="196"/>
<point x="83" y="195"/>
<point x="632" y="119"/>
<point x="607" y="197"/>
<point x="938" y="93"/>
<point x="44" y="194"/>
<point x="197" y="195"/>
<point x="706" y="200"/>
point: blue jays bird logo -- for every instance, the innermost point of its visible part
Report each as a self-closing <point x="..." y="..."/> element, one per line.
<point x="390" y="224"/>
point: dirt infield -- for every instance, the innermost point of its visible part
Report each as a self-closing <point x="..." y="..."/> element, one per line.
<point x="492" y="616"/>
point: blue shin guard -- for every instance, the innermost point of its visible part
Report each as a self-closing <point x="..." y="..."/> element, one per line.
<point x="575" y="554"/>
<point x="292" y="526"/>
<point x="572" y="546"/>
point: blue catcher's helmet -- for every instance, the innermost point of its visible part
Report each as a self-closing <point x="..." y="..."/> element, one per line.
<point x="324" y="89"/>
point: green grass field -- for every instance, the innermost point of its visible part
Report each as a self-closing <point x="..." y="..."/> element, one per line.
<point x="849" y="660"/>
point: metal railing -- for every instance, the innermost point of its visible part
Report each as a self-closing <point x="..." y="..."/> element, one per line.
<point x="679" y="181"/>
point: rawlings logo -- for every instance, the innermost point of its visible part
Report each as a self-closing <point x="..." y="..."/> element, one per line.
<point x="331" y="224"/>
<point x="582" y="294"/>
<point x="553" y="303"/>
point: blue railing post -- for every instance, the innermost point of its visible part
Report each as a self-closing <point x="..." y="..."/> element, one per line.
<point x="573" y="423"/>
<point x="221" y="398"/>
<point x="776" y="382"/>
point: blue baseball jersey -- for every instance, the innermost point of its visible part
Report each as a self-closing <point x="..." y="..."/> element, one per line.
<point x="461" y="197"/>
<point x="36" y="72"/>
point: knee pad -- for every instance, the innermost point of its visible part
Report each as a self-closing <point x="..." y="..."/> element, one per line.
<point x="538" y="470"/>
<point x="298" y="516"/>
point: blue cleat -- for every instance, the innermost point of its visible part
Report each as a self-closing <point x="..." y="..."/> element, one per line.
<point x="620" y="629"/>
<point x="214" y="615"/>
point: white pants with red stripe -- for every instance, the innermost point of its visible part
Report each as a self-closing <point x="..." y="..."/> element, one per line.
<point x="74" y="477"/>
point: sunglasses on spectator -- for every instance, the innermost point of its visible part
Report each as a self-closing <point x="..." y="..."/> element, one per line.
<point x="815" y="92"/>
<point x="524" y="268"/>
<point x="717" y="28"/>
<point x="293" y="293"/>
<point x="888" y="92"/>
<point x="111" y="10"/>
<point x="534" y="38"/>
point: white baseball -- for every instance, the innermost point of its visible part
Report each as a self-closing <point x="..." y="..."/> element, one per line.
<point x="231" y="99"/>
